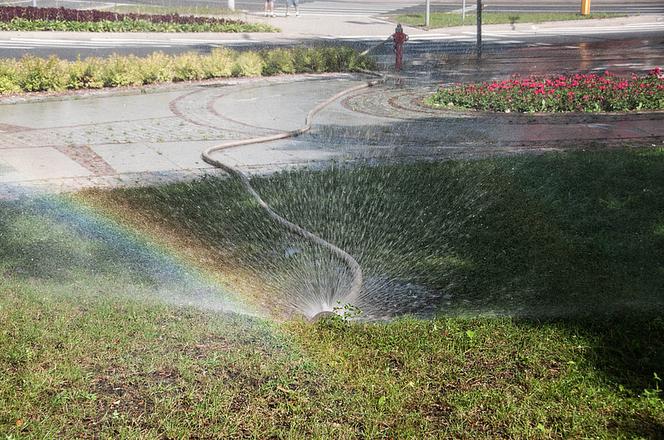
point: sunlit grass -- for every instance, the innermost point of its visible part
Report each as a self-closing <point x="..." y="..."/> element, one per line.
<point x="443" y="19"/>
<point x="572" y="238"/>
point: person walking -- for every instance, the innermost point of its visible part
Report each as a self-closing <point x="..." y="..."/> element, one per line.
<point x="294" y="4"/>
<point x="269" y="8"/>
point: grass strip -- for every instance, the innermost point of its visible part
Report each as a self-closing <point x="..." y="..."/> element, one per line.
<point x="131" y="25"/>
<point x="445" y="19"/>
<point x="33" y="74"/>
<point x="82" y="355"/>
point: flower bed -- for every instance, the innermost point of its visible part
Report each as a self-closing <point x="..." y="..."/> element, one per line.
<point x="574" y="93"/>
<point x="61" y="19"/>
<point x="32" y="74"/>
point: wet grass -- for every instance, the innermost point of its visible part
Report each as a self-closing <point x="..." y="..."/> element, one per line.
<point x="570" y="244"/>
<point x="443" y="19"/>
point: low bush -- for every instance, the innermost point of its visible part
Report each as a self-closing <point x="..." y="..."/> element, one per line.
<point x="308" y="60"/>
<point x="188" y="66"/>
<point x="574" y="93"/>
<point x="248" y="64"/>
<point x="121" y="71"/>
<point x="157" y="67"/>
<point x="277" y="61"/>
<point x="8" y="77"/>
<point x="219" y="64"/>
<point x="32" y="74"/>
<point x="86" y="74"/>
<point x="40" y="74"/>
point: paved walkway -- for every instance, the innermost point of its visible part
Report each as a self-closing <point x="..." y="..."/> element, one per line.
<point x="111" y="139"/>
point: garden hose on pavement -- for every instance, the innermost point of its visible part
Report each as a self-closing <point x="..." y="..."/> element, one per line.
<point x="357" y="278"/>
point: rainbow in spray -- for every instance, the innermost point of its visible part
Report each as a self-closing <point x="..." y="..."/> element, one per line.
<point x="59" y="241"/>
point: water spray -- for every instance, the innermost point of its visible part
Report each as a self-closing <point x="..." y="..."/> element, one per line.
<point x="357" y="278"/>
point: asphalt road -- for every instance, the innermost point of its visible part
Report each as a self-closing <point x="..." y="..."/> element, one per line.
<point x="367" y="7"/>
<point x="434" y="45"/>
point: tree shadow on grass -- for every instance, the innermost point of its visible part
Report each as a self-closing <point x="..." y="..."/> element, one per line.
<point x="578" y="238"/>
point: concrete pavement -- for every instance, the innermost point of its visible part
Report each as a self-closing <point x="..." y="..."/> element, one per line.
<point x="63" y="144"/>
<point x="156" y="134"/>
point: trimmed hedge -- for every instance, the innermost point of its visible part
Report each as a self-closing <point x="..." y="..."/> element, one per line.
<point x="33" y="74"/>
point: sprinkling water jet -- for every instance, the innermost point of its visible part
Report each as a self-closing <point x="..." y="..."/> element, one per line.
<point x="353" y="292"/>
<point x="322" y="315"/>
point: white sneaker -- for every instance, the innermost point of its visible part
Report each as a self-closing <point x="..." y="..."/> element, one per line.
<point x="297" y="13"/>
<point x="286" y="14"/>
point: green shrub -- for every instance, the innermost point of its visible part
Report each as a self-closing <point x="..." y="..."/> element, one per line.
<point x="277" y="61"/>
<point x="187" y="67"/>
<point x="39" y="74"/>
<point x="332" y="61"/>
<point x="121" y="71"/>
<point x="8" y="77"/>
<point x="156" y="67"/>
<point x="308" y="60"/>
<point x="218" y="64"/>
<point x="85" y="74"/>
<point x="248" y="64"/>
<point x="343" y="59"/>
<point x="32" y="74"/>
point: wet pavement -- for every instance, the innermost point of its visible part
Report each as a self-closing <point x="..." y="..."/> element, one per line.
<point x="130" y="137"/>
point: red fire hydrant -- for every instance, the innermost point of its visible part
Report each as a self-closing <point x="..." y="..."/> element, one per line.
<point x="399" y="38"/>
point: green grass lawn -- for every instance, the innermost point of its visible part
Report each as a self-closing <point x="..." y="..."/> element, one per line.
<point x="569" y="246"/>
<point x="443" y="19"/>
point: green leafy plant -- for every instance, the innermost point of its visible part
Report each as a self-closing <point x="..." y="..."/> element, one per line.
<point x="8" y="77"/>
<point x="157" y="67"/>
<point x="39" y="74"/>
<point x="308" y="60"/>
<point x="31" y="74"/>
<point x="277" y="61"/>
<point x="121" y="71"/>
<point x="188" y="66"/>
<point x="347" y="312"/>
<point x="219" y="64"/>
<point x="248" y="64"/>
<point x="86" y="74"/>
